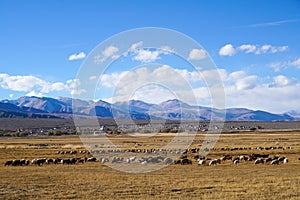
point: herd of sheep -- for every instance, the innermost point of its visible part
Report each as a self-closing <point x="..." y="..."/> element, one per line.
<point x="154" y="156"/>
<point x="254" y="157"/>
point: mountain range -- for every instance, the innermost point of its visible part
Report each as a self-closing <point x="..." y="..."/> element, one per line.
<point x="46" y="107"/>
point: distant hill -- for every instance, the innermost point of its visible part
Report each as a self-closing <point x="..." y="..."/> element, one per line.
<point x="134" y="109"/>
<point x="8" y="110"/>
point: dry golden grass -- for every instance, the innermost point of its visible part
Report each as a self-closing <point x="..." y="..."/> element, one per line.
<point x="97" y="181"/>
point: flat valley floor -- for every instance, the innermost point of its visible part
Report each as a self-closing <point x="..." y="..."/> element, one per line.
<point x="98" y="181"/>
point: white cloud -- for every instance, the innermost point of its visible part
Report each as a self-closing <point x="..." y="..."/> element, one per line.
<point x="135" y="46"/>
<point x="193" y="76"/>
<point x="197" y="54"/>
<point x="73" y="86"/>
<point x="247" y="48"/>
<point x="246" y="83"/>
<point x="78" y="56"/>
<point x="265" y="48"/>
<point x="20" y="83"/>
<point x="234" y="76"/>
<point x="127" y="84"/>
<point x="167" y="49"/>
<point x="279" y="49"/>
<point x="34" y="94"/>
<point x="282" y="81"/>
<point x="152" y="94"/>
<point x="11" y="96"/>
<point x="108" y="52"/>
<point x="145" y="55"/>
<point x="111" y="80"/>
<point x="92" y="78"/>
<point x="295" y="63"/>
<point x="277" y="66"/>
<point x="227" y="50"/>
<point x="263" y="97"/>
<point x="35" y="85"/>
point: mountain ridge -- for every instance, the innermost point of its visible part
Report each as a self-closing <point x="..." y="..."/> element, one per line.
<point x="172" y="109"/>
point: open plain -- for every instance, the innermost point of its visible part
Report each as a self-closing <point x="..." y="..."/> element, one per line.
<point x="94" y="180"/>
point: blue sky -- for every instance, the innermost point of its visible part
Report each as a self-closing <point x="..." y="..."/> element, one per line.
<point x="255" y="44"/>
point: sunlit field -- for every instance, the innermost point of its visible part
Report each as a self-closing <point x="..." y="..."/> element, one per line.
<point x="94" y="180"/>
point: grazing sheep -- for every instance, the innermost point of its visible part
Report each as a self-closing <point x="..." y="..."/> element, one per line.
<point x="168" y="161"/>
<point x="36" y="161"/>
<point x="275" y="162"/>
<point x="186" y="161"/>
<point x="245" y="158"/>
<point x="236" y="159"/>
<point x="131" y="159"/>
<point x="259" y="161"/>
<point x="104" y="160"/>
<point x="24" y="162"/>
<point x="213" y="162"/>
<point x="57" y="160"/>
<point x="199" y="157"/>
<point x="80" y="160"/>
<point x="65" y="161"/>
<point x="236" y="162"/>
<point x="8" y="163"/>
<point x="202" y="162"/>
<point x="49" y="161"/>
<point x="281" y="159"/>
<point x="16" y="163"/>
<point x="268" y="160"/>
<point x="117" y="160"/>
<point x="91" y="159"/>
<point x="177" y="162"/>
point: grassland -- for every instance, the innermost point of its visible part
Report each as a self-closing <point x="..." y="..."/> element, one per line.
<point x="98" y="181"/>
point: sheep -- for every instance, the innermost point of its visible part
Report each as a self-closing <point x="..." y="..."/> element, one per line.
<point x="236" y="162"/>
<point x="259" y="161"/>
<point x="24" y="162"/>
<point x="116" y="160"/>
<point x="202" y="162"/>
<point x="268" y="160"/>
<point x="236" y="159"/>
<point x="275" y="162"/>
<point x="104" y="160"/>
<point x="38" y="161"/>
<point x="57" y="160"/>
<point x="285" y="160"/>
<point x="80" y="160"/>
<point x="245" y="158"/>
<point x="65" y="161"/>
<point x="281" y="159"/>
<point x="16" y="163"/>
<point x="131" y="159"/>
<point x="186" y="161"/>
<point x="8" y="163"/>
<point x="49" y="161"/>
<point x="213" y="162"/>
<point x="168" y="161"/>
<point x="91" y="159"/>
<point x="199" y="157"/>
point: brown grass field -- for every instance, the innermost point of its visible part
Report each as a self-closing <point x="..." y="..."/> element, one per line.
<point x="98" y="181"/>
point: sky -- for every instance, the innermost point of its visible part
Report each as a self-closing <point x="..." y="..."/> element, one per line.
<point x="255" y="45"/>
